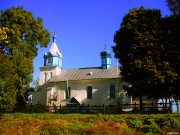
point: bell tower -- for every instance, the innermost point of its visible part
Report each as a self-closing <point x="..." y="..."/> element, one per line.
<point x="52" y="63"/>
<point x="53" y="57"/>
<point x="105" y="58"/>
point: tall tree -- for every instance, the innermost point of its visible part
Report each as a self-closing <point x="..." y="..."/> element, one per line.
<point x="139" y="48"/>
<point x="3" y="35"/>
<point x="174" y="6"/>
<point x="24" y="33"/>
<point x="172" y="24"/>
<point x="7" y="87"/>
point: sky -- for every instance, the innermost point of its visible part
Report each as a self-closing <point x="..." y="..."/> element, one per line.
<point x="82" y="27"/>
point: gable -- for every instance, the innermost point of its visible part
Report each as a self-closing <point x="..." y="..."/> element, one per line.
<point x="72" y="101"/>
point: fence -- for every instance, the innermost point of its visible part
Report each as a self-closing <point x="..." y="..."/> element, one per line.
<point x="110" y="109"/>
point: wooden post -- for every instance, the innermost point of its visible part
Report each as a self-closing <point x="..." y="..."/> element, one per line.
<point x="103" y="111"/>
<point x="88" y="108"/>
<point x="66" y="108"/>
<point x="118" y="108"/>
<point x="60" y="108"/>
<point x="152" y="104"/>
<point x="135" y="105"/>
<point x="31" y="108"/>
<point x="38" y="106"/>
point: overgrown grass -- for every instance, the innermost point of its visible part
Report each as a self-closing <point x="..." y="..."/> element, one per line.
<point x="87" y="124"/>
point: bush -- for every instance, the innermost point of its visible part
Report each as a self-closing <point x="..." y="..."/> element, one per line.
<point x="168" y="122"/>
<point x="152" y="128"/>
<point x="134" y="123"/>
<point x="149" y="121"/>
<point x="174" y="123"/>
<point x="52" y="129"/>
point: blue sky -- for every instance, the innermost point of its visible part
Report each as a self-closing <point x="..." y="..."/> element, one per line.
<point x="81" y="26"/>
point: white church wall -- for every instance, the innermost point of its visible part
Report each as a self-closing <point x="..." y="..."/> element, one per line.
<point x="100" y="91"/>
<point x="49" y="71"/>
<point x="39" y="96"/>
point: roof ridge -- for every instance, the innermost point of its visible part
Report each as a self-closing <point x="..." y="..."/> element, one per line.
<point x="88" y="68"/>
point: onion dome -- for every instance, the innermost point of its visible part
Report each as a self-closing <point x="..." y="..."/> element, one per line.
<point x="105" y="58"/>
<point x="105" y="53"/>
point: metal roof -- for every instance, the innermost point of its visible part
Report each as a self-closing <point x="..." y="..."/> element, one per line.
<point x="87" y="74"/>
<point x="54" y="49"/>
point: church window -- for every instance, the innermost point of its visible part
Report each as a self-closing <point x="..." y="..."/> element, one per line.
<point x="112" y="92"/>
<point x="45" y="77"/>
<point x="104" y="61"/>
<point x="51" y="74"/>
<point x="49" y="61"/>
<point x="89" y="92"/>
<point x="68" y="92"/>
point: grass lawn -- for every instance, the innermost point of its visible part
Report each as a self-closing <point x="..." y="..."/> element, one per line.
<point x="87" y="124"/>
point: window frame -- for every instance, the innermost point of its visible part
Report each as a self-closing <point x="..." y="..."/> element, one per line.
<point x="112" y="91"/>
<point x="49" y="61"/>
<point x="51" y="74"/>
<point x="89" y="92"/>
<point x="45" y="77"/>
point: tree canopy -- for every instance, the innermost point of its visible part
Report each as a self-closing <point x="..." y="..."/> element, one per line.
<point x="140" y="49"/>
<point x="7" y="86"/>
<point x="3" y="35"/>
<point x="24" y="33"/>
<point x="174" y="6"/>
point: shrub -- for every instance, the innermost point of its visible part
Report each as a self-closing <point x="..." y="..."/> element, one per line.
<point x="174" y="123"/>
<point x="149" y="121"/>
<point x="152" y="128"/>
<point x="168" y="122"/>
<point x="52" y="130"/>
<point x="134" y="123"/>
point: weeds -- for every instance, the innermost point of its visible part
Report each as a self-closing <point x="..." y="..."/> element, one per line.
<point x="134" y="123"/>
<point x="83" y="124"/>
<point x="152" y="129"/>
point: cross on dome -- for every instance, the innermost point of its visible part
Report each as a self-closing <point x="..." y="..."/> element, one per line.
<point x="105" y="45"/>
<point x="54" y="38"/>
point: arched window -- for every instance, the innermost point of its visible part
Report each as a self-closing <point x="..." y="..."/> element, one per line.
<point x="112" y="92"/>
<point x="49" y="60"/>
<point x="89" y="92"/>
<point x="51" y="75"/>
<point x="45" y="77"/>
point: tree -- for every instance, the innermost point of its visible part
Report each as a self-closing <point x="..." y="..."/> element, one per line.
<point x="3" y="35"/>
<point x="172" y="24"/>
<point x="24" y="33"/>
<point x="140" y="50"/>
<point x="174" y="6"/>
<point x="7" y="87"/>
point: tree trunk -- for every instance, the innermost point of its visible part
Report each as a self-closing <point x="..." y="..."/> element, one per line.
<point x="141" y="103"/>
<point x="177" y="105"/>
<point x="166" y="101"/>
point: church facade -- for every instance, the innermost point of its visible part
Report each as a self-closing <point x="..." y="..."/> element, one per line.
<point x="90" y="85"/>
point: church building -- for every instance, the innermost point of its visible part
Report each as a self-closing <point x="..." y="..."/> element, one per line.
<point x="90" y="85"/>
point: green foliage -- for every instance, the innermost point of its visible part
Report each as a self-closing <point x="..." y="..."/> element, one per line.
<point x="24" y="33"/>
<point x="152" y="128"/>
<point x="143" y="52"/>
<point x="3" y="35"/>
<point x="78" y="124"/>
<point x="7" y="89"/>
<point x="174" y="5"/>
<point x="52" y="130"/>
<point x="126" y="128"/>
<point x="168" y="122"/>
<point x="134" y="123"/>
<point x="149" y="121"/>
